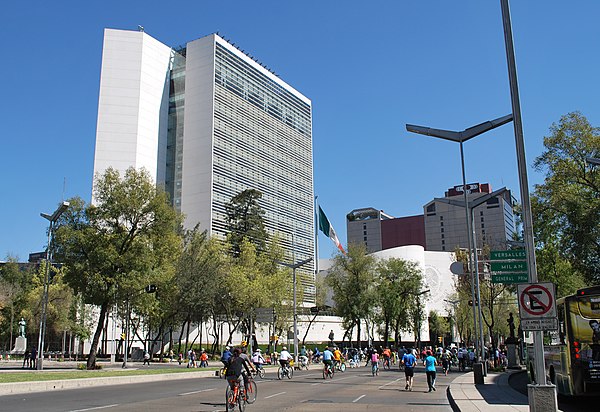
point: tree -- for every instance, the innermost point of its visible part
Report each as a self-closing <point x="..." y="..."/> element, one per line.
<point x="566" y="207"/>
<point x="352" y="280"/>
<point x="14" y="284"/>
<point x="245" y="219"/>
<point x="398" y="282"/>
<point x="116" y="247"/>
<point x="438" y="326"/>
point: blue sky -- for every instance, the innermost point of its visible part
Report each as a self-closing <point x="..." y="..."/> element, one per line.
<point x="368" y="67"/>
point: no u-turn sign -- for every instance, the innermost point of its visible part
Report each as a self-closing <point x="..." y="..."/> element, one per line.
<point x="536" y="300"/>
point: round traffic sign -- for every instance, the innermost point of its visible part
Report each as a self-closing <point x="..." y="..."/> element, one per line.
<point x="540" y="300"/>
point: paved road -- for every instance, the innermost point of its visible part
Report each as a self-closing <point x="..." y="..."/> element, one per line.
<point x="354" y="390"/>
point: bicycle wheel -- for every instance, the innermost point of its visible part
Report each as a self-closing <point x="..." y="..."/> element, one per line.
<point x="251" y="393"/>
<point x="386" y="365"/>
<point x="241" y="399"/>
<point x="230" y="401"/>
<point x="290" y="372"/>
<point x="261" y="373"/>
<point x="280" y="373"/>
<point x="342" y="367"/>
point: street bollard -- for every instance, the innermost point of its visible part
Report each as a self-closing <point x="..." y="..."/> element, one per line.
<point x="478" y="373"/>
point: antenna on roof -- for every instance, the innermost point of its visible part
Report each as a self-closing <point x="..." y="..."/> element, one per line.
<point x="140" y="28"/>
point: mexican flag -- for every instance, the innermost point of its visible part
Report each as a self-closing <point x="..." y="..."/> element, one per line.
<point x="326" y="228"/>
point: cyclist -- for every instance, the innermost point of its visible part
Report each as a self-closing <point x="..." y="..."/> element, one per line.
<point x="303" y="357"/>
<point x="257" y="358"/>
<point x="337" y="357"/>
<point x="284" y="358"/>
<point x="409" y="361"/>
<point x="225" y="358"/>
<point x="316" y="355"/>
<point x="235" y="369"/>
<point x="327" y="358"/>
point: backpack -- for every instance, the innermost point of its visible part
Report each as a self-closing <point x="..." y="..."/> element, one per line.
<point x="226" y="356"/>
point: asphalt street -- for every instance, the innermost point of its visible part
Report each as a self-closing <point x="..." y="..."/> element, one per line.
<point x="353" y="390"/>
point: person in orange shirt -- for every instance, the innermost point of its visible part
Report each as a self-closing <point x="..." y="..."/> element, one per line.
<point x="387" y="354"/>
<point x="337" y="357"/>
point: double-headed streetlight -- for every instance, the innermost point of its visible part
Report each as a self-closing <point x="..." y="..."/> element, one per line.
<point x="461" y="137"/>
<point x="53" y="218"/>
<point x="295" y="266"/>
<point x="470" y="207"/>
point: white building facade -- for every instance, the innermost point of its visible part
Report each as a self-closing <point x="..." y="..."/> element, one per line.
<point x="208" y="121"/>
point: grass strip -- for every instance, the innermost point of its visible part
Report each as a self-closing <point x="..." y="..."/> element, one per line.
<point x="9" y="377"/>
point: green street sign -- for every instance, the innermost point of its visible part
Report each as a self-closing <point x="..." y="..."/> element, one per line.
<point x="511" y="278"/>
<point x="517" y="266"/>
<point x="507" y="254"/>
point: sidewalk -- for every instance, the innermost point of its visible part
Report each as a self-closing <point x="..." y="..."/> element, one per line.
<point x="494" y="395"/>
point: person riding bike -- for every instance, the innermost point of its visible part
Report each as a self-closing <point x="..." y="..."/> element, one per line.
<point x="337" y="357"/>
<point x="226" y="357"/>
<point x="235" y="369"/>
<point x="328" y="359"/>
<point x="303" y="356"/>
<point x="257" y="359"/>
<point x="316" y="355"/>
<point x="284" y="358"/>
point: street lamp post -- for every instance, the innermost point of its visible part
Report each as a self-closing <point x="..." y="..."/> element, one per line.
<point x="470" y="207"/>
<point x="418" y="295"/>
<point x="461" y="137"/>
<point x="53" y="218"/>
<point x="295" y="266"/>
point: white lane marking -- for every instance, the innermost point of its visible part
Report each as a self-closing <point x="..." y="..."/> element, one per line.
<point x="315" y="384"/>
<point x="193" y="392"/>
<point x="389" y="383"/>
<point x="358" y="399"/>
<point x="95" y="408"/>
<point x="272" y="396"/>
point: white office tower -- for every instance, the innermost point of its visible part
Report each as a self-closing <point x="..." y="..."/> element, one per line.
<point x="208" y="121"/>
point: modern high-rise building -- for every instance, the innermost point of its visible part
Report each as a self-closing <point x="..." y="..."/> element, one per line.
<point x="445" y="224"/>
<point x="208" y="121"/>
<point x="441" y="228"/>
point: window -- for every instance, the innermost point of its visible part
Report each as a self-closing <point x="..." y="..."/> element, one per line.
<point x="442" y="230"/>
<point x="365" y="238"/>
<point x="481" y="213"/>
<point x="443" y="242"/>
<point x="365" y="232"/>
<point x="441" y="224"/>
<point x="442" y="235"/>
<point x="482" y="225"/>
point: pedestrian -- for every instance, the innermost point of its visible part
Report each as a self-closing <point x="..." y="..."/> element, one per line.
<point x="430" y="364"/>
<point x="180" y="359"/>
<point x="409" y="361"/>
<point x="203" y="359"/>
<point x="33" y="357"/>
<point x="26" y="359"/>
<point x="171" y="355"/>
<point x="146" y="358"/>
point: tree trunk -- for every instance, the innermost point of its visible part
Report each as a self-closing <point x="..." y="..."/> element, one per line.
<point x="310" y="322"/>
<point x="386" y="332"/>
<point x="91" y="362"/>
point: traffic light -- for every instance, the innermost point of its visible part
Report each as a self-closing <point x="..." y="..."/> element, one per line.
<point x="123" y="336"/>
<point x="471" y="302"/>
<point x="439" y="339"/>
<point x="150" y="289"/>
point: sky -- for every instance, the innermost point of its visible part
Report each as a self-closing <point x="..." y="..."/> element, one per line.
<point x="368" y="68"/>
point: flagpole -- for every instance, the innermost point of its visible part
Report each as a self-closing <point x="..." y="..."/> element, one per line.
<point x="316" y="219"/>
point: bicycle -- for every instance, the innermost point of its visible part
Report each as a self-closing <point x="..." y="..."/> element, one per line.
<point x="251" y="391"/>
<point x="328" y="372"/>
<point x="235" y="396"/>
<point x="386" y="364"/>
<point x="340" y="366"/>
<point x="222" y="372"/>
<point x="375" y="368"/>
<point x="258" y="371"/>
<point x="283" y="371"/>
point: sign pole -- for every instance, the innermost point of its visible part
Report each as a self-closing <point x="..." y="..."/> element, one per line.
<point x="537" y="394"/>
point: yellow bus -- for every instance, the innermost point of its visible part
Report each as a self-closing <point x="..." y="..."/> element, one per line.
<point x="572" y="353"/>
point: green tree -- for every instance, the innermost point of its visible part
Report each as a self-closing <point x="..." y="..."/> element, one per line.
<point x="566" y="207"/>
<point x="438" y="326"/>
<point x="245" y="219"/>
<point x="114" y="248"/>
<point x="14" y="284"/>
<point x="398" y="282"/>
<point x="352" y="279"/>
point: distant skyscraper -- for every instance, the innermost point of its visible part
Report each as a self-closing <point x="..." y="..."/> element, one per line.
<point x="208" y="121"/>
<point x="441" y="228"/>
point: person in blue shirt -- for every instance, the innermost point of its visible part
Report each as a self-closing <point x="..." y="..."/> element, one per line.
<point x="328" y="358"/>
<point x="316" y="355"/>
<point x="409" y="361"/>
<point x="430" y="364"/>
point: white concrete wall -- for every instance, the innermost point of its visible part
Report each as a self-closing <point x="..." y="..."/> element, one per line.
<point x="131" y="128"/>
<point x="196" y="189"/>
